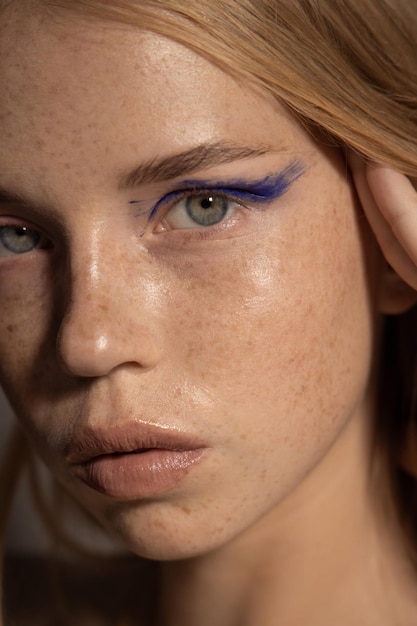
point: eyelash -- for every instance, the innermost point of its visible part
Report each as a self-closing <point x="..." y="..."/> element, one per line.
<point x="244" y="194"/>
<point x="243" y="199"/>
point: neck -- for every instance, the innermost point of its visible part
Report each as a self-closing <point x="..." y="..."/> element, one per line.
<point x="320" y="558"/>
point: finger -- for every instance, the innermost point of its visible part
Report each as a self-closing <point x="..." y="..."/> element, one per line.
<point x="397" y="200"/>
<point x="395" y="253"/>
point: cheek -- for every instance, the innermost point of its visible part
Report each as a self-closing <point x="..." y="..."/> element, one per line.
<point x="282" y="341"/>
<point x="26" y="324"/>
<point x="281" y="333"/>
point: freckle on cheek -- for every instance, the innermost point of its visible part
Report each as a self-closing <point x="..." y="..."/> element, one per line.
<point x="185" y="510"/>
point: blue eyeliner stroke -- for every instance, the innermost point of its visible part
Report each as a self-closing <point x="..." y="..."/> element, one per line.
<point x="264" y="190"/>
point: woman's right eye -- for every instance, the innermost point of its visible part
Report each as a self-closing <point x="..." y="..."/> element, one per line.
<point x="18" y="239"/>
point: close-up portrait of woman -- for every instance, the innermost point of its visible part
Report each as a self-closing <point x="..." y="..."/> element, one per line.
<point x="208" y="322"/>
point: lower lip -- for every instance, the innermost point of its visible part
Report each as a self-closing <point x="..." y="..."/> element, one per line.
<point x="137" y="475"/>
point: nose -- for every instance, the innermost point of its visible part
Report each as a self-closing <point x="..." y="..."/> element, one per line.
<point x="106" y="322"/>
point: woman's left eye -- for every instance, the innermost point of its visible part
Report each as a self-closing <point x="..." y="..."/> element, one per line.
<point x="199" y="210"/>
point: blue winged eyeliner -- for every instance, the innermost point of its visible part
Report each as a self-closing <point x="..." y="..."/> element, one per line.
<point x="264" y="190"/>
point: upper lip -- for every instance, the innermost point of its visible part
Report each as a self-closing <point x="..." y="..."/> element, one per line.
<point x="88" y="442"/>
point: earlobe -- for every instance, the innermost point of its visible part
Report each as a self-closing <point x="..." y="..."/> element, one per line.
<point x="395" y="295"/>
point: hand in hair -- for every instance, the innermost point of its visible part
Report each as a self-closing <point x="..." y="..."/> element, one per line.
<point x="390" y="204"/>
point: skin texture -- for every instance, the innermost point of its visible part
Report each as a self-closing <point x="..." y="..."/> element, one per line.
<point x="257" y="339"/>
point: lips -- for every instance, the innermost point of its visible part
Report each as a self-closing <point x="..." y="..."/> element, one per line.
<point x="132" y="461"/>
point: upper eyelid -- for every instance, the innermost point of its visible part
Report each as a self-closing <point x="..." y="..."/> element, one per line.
<point x="18" y="222"/>
<point x="12" y="220"/>
<point x="31" y="215"/>
<point x="255" y="187"/>
<point x="264" y="190"/>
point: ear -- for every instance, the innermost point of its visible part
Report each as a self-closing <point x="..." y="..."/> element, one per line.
<point x="395" y="295"/>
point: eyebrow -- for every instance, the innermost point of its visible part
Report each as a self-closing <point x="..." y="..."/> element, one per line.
<point x="167" y="168"/>
<point x="199" y="157"/>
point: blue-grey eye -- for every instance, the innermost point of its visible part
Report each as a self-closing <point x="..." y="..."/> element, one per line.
<point x="196" y="210"/>
<point x="18" y="240"/>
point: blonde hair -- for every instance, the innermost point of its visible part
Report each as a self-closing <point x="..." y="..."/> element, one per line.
<point x="346" y="69"/>
<point x="349" y="68"/>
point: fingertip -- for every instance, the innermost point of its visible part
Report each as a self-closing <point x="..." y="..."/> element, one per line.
<point x="384" y="175"/>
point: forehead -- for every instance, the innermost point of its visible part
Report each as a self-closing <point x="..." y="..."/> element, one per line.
<point x="74" y="65"/>
<point x="74" y="91"/>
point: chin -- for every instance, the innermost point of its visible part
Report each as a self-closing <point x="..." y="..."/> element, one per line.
<point x="166" y="535"/>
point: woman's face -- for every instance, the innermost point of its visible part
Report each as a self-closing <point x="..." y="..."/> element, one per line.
<point x="181" y="270"/>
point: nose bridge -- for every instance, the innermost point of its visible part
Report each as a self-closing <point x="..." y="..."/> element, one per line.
<point x="93" y="284"/>
<point x="104" y="325"/>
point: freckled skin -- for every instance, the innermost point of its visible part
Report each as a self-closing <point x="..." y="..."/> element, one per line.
<point x="259" y="343"/>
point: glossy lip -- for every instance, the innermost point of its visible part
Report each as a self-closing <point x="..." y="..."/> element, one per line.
<point x="132" y="461"/>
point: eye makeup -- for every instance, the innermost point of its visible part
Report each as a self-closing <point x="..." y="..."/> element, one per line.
<point x="260" y="191"/>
